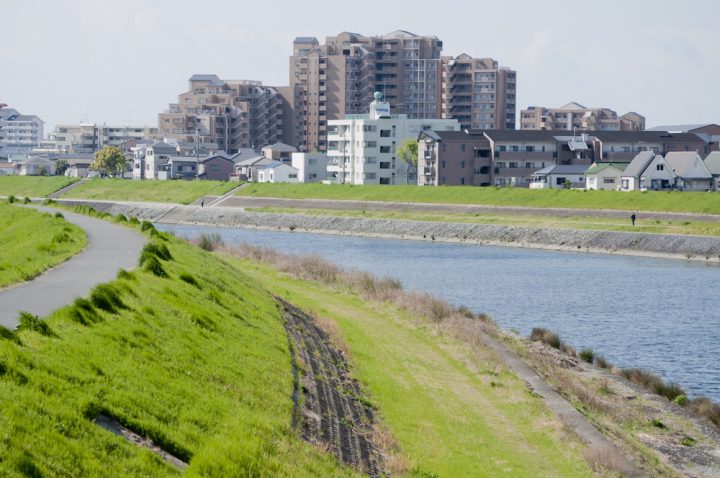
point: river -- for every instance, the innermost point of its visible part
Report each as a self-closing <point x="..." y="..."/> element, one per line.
<point x="653" y="314"/>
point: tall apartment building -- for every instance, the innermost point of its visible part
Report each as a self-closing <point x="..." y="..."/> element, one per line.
<point x="18" y="133"/>
<point x="361" y="148"/>
<point x="234" y="114"/>
<point x="339" y="78"/>
<point x="478" y="92"/>
<point x="574" y="115"/>
<point x="90" y="137"/>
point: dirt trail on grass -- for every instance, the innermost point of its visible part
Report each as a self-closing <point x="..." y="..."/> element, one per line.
<point x="329" y="406"/>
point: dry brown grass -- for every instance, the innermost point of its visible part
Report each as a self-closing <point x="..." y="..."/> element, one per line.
<point x="607" y="459"/>
<point x="331" y="328"/>
<point x="394" y="461"/>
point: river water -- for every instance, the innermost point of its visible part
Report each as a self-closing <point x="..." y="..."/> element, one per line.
<point x="654" y="314"/>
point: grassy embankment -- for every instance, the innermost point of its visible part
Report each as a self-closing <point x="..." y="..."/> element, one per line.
<point x="34" y="241"/>
<point x="707" y="203"/>
<point x="452" y="406"/>
<point x="182" y="192"/>
<point x="197" y="360"/>
<point x="653" y="226"/>
<point x="32" y="186"/>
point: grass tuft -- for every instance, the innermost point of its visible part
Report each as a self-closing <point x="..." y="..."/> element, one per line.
<point x="210" y="242"/>
<point x="153" y="266"/>
<point x="153" y="249"/>
<point x="106" y="297"/>
<point x="7" y="334"/>
<point x="146" y="226"/>
<point x="545" y="336"/>
<point x="587" y="355"/>
<point x="125" y="275"/>
<point x="190" y="279"/>
<point x="28" y="321"/>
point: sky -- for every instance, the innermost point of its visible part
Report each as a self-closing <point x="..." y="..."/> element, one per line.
<point x="124" y="61"/>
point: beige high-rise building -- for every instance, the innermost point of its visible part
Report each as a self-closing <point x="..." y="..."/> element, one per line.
<point x="331" y="80"/>
<point x="574" y="115"/>
<point x="233" y="114"/>
<point x="478" y="93"/>
<point x="340" y="77"/>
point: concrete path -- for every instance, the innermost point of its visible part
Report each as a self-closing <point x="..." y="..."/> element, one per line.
<point x="110" y="247"/>
<point x="562" y="408"/>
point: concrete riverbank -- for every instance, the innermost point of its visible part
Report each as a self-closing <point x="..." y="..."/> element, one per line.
<point x="695" y="248"/>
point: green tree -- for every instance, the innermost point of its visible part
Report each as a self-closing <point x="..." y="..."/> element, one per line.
<point x="408" y="152"/>
<point x="61" y="166"/>
<point x="109" y="161"/>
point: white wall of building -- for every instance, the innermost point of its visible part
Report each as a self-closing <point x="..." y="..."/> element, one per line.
<point x="312" y="167"/>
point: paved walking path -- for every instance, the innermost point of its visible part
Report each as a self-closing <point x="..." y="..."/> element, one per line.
<point x="110" y="247"/>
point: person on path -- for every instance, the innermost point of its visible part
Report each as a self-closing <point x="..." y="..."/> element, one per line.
<point x="202" y="203"/>
<point x="632" y="218"/>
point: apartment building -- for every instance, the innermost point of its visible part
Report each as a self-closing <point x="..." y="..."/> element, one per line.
<point x="90" y="137"/>
<point x="361" y="148"/>
<point x="511" y="158"/>
<point x="478" y="93"/>
<point x="575" y="115"/>
<point x="233" y="114"/>
<point x="339" y="78"/>
<point x="18" y="133"/>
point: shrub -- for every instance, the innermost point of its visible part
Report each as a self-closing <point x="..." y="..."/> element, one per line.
<point x="83" y="312"/>
<point x="58" y="215"/>
<point x="153" y="266"/>
<point x="210" y="242"/>
<point x="106" y="297"/>
<point x="11" y="199"/>
<point x="153" y="249"/>
<point x="29" y="321"/>
<point x="26" y="200"/>
<point x="146" y="226"/>
<point x="134" y="221"/>
<point x="121" y="218"/>
<point x="681" y="400"/>
<point x="123" y="274"/>
<point x="587" y="355"/>
<point x="545" y="336"/>
<point x="601" y="362"/>
<point x="8" y="334"/>
<point x="48" y="202"/>
<point x="185" y="277"/>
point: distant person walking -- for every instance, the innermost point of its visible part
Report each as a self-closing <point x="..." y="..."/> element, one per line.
<point x="632" y="218"/>
<point x="202" y="204"/>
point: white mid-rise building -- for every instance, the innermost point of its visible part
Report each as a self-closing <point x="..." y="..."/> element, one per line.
<point x="312" y="167"/>
<point x="91" y="137"/>
<point x="18" y="133"/>
<point x="361" y="148"/>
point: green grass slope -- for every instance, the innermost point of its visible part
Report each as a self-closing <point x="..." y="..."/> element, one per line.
<point x="183" y="192"/>
<point x="34" y="241"/>
<point x="557" y="198"/>
<point x="32" y="186"/>
<point x="454" y="410"/>
<point x="195" y="358"/>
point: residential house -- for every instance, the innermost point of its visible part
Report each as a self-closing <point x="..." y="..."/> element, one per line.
<point x="647" y="171"/>
<point x="712" y="162"/>
<point x="312" y="167"/>
<point x="245" y="170"/>
<point x="178" y="167"/>
<point x="560" y="176"/>
<point x="623" y="146"/>
<point x="216" y="167"/>
<point x="37" y="166"/>
<point x="604" y="176"/>
<point x="277" y="172"/>
<point x="278" y="152"/>
<point x="7" y="168"/>
<point x="692" y="174"/>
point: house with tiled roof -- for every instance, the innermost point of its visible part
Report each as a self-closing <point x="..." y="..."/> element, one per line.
<point x="604" y="176"/>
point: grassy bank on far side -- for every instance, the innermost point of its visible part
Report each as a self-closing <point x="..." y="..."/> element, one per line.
<point x="176" y="191"/>
<point x="34" y="241"/>
<point x="705" y="203"/>
<point x="186" y="350"/>
<point x="32" y="186"/>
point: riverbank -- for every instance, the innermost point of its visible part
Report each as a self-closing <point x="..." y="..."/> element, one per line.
<point x="667" y="246"/>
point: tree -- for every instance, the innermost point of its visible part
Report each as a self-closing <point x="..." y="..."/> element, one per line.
<point x="109" y="161"/>
<point x="408" y="152"/>
<point x="61" y="166"/>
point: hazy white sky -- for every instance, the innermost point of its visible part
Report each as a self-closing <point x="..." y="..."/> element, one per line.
<point x="123" y="61"/>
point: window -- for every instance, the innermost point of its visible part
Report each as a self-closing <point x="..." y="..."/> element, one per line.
<point x="660" y="167"/>
<point x="462" y="148"/>
<point x="462" y="181"/>
<point x="559" y="181"/>
<point x="512" y="164"/>
<point x="384" y="133"/>
<point x="608" y="180"/>
<point x="384" y="180"/>
<point x="179" y="169"/>
<point x="384" y="149"/>
<point x="529" y="165"/>
<point x="384" y="165"/>
<point x="442" y="147"/>
<point x="292" y="176"/>
<point x="462" y="164"/>
<point x="442" y="163"/>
